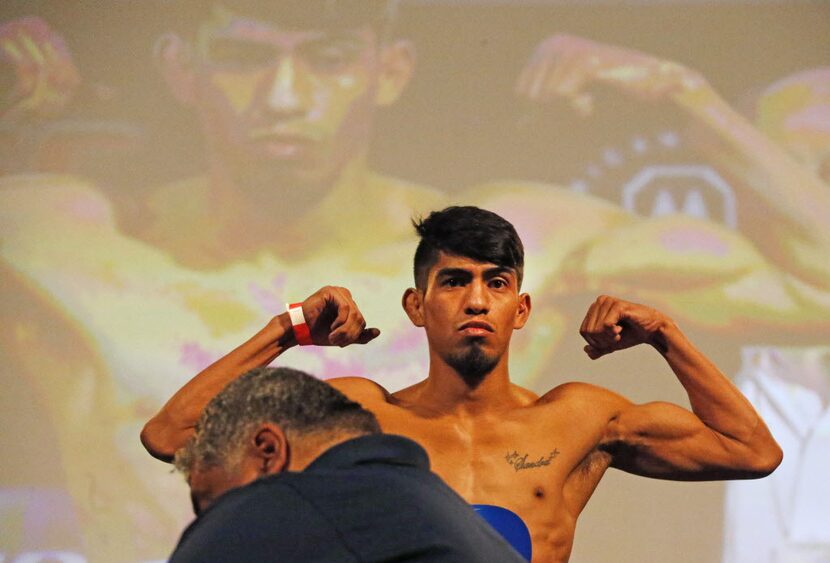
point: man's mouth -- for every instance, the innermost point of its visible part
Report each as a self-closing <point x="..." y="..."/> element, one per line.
<point x="282" y="144"/>
<point x="476" y="328"/>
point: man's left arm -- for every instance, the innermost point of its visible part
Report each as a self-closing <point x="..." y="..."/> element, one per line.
<point x="723" y="437"/>
<point x="798" y="241"/>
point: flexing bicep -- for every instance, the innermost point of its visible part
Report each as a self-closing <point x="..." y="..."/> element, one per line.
<point x="665" y="441"/>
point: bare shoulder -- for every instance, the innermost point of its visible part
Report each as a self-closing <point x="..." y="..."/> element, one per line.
<point x="360" y="389"/>
<point x="659" y="246"/>
<point x="402" y="194"/>
<point x="580" y="395"/>
<point x="56" y="186"/>
<point x="592" y="412"/>
<point x="534" y="204"/>
<point x="48" y="201"/>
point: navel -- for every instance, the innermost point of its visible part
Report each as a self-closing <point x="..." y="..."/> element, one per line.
<point x="539" y="492"/>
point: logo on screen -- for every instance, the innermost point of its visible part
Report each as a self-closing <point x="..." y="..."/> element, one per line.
<point x="655" y="176"/>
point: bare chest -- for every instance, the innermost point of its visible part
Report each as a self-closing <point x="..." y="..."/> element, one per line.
<point x="506" y="461"/>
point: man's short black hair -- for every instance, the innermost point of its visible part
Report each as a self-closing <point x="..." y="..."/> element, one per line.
<point x="469" y="232"/>
<point x="334" y="14"/>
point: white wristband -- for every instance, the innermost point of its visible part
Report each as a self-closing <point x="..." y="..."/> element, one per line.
<point x="302" y="334"/>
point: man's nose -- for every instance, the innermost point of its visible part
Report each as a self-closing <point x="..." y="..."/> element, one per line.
<point x="285" y="94"/>
<point x="478" y="299"/>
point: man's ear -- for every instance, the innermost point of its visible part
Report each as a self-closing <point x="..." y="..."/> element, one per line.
<point x="523" y="312"/>
<point x="270" y="447"/>
<point x="413" y="305"/>
<point x="174" y="57"/>
<point x="397" y="63"/>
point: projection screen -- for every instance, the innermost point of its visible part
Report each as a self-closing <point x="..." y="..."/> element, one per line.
<point x="673" y="153"/>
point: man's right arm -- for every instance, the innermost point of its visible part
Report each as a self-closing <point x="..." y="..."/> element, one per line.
<point x="333" y="319"/>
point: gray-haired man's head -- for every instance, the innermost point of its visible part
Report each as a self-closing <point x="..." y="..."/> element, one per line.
<point x="265" y="422"/>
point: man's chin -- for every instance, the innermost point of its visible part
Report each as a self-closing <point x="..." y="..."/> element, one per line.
<point x="288" y="173"/>
<point x="473" y="363"/>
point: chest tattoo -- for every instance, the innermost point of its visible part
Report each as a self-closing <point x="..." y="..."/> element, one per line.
<point x="519" y="461"/>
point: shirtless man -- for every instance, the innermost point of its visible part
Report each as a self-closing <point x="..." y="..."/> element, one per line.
<point x="494" y="442"/>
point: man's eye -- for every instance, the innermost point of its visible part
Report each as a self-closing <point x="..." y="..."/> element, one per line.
<point x="330" y="57"/>
<point x="498" y="283"/>
<point x="240" y="53"/>
<point x="453" y="282"/>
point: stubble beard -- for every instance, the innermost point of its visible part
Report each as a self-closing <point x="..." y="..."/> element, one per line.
<point x="472" y="363"/>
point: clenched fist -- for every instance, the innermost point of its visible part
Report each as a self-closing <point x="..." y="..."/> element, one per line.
<point x="334" y="319"/>
<point x="612" y="324"/>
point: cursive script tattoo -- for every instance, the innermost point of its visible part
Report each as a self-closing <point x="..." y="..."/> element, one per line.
<point x="520" y="461"/>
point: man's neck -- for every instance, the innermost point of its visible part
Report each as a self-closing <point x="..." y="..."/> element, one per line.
<point x="235" y="221"/>
<point x="278" y="201"/>
<point x="447" y="392"/>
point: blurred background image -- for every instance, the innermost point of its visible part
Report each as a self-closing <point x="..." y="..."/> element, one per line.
<point x="172" y="172"/>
